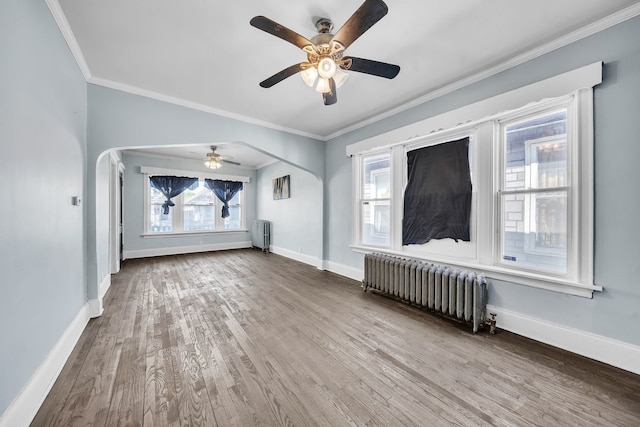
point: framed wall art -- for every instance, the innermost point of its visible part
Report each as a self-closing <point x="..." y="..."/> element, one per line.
<point x="281" y="188"/>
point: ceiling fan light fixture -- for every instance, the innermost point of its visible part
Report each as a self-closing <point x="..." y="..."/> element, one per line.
<point x="213" y="163"/>
<point x="323" y="86"/>
<point x="340" y="77"/>
<point x="309" y="76"/>
<point x="327" y="67"/>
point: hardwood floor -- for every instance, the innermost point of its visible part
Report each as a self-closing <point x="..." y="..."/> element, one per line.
<point x="242" y="338"/>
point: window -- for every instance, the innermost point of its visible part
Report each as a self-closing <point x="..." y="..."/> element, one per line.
<point x="158" y="221"/>
<point x="532" y="191"/>
<point x="196" y="210"/>
<point x="375" y="200"/>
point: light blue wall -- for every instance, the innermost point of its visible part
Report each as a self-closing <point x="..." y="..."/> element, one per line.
<point x="297" y="222"/>
<point x="133" y="196"/>
<point x="613" y="313"/>
<point x="43" y="104"/>
<point x="121" y="120"/>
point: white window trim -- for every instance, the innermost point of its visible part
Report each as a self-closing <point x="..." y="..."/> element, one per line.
<point x="554" y="87"/>
<point x="357" y="191"/>
<point x="148" y="171"/>
<point x="580" y="82"/>
<point x="574" y="138"/>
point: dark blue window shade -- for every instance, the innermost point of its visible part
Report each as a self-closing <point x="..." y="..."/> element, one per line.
<point x="437" y="200"/>
<point x="224" y="190"/>
<point x="172" y="186"/>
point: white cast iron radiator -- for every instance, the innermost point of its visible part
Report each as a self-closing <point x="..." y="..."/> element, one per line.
<point x="458" y="293"/>
<point x="261" y="234"/>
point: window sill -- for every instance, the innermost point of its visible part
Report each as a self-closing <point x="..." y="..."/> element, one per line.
<point x="533" y="280"/>
<point x="190" y="233"/>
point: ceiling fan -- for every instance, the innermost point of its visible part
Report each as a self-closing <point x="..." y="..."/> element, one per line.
<point x="325" y="61"/>
<point x="214" y="160"/>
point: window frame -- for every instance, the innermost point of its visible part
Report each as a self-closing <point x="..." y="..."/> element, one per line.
<point x="177" y="210"/>
<point x="573" y="138"/>
<point x="214" y="205"/>
<point x="361" y="199"/>
<point x="487" y="153"/>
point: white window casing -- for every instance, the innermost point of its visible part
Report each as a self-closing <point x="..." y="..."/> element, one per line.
<point x="482" y="122"/>
<point x="177" y="210"/>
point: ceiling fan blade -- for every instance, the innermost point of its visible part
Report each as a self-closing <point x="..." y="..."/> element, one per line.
<point x="265" y="24"/>
<point x="287" y="72"/>
<point x="230" y="161"/>
<point x="370" y="12"/>
<point x="330" y="97"/>
<point x="367" y="66"/>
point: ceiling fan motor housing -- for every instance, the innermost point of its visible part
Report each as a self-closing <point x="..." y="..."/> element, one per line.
<point x="324" y="25"/>
<point x="322" y="41"/>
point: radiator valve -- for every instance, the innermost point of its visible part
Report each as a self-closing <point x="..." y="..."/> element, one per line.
<point x="492" y="323"/>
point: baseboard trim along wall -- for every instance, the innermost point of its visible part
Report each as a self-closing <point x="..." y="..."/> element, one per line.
<point x="598" y="347"/>
<point x="297" y="256"/>
<point x="95" y="305"/>
<point x="344" y="270"/>
<point x="607" y="350"/>
<point x="104" y="286"/>
<point x="177" y="250"/>
<point x="25" y="406"/>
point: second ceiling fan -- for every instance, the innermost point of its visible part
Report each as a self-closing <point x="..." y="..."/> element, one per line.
<point x="325" y="61"/>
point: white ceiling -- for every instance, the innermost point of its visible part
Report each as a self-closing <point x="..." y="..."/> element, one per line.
<point x="204" y="53"/>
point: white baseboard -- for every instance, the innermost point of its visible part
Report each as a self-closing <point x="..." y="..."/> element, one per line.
<point x="344" y="270"/>
<point x="307" y="259"/>
<point x="95" y="307"/>
<point x="104" y="286"/>
<point x="25" y="406"/>
<point x="610" y="351"/>
<point x="177" y="250"/>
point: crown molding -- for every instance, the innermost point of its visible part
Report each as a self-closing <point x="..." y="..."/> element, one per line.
<point x="65" y="29"/>
<point x="586" y="31"/>
<point x="134" y="90"/>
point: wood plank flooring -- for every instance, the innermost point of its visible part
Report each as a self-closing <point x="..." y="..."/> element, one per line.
<point x="243" y="338"/>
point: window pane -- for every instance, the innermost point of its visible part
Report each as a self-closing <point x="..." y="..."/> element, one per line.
<point x="159" y="222"/>
<point x="536" y="152"/>
<point x="233" y="221"/>
<point x="549" y="163"/>
<point x="535" y="231"/>
<point x="376" y="223"/>
<point x="156" y="195"/>
<point x="199" y="209"/>
<point x="377" y="179"/>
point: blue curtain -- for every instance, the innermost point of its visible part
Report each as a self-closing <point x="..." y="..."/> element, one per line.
<point x="224" y="190"/>
<point x="172" y="186"/>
